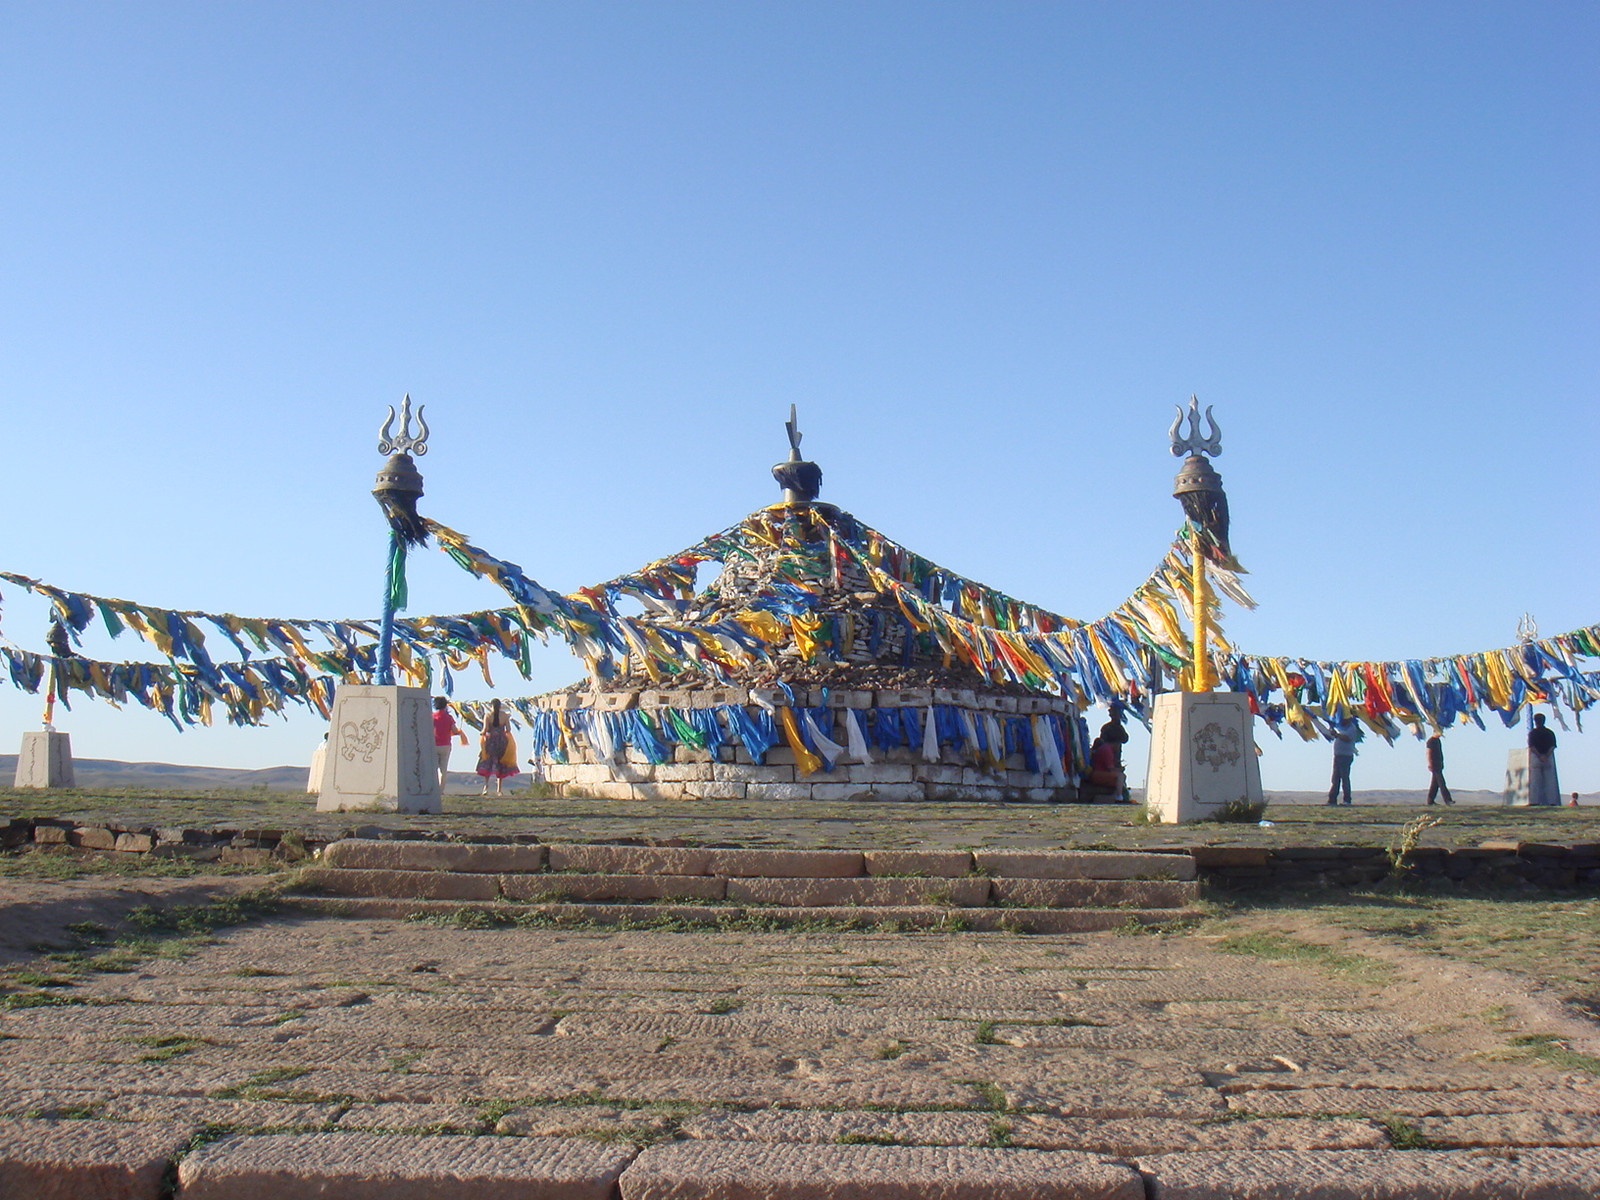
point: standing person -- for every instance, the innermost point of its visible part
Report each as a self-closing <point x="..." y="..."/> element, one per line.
<point x="1543" y="786"/>
<point x="1436" y="783"/>
<point x="497" y="751"/>
<point x="444" y="729"/>
<point x="1344" y="756"/>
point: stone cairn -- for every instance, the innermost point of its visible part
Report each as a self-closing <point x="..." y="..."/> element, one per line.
<point x="875" y="661"/>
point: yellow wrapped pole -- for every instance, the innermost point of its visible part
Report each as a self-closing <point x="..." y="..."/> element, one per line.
<point x="1200" y="672"/>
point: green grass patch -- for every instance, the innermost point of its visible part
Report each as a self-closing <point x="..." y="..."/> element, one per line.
<point x="1552" y="1049"/>
<point x="1278" y="947"/>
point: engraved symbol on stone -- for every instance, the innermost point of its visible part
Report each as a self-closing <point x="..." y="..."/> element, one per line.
<point x="1215" y="746"/>
<point x="365" y="739"/>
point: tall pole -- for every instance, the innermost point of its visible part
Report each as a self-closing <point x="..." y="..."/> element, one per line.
<point x="398" y="489"/>
<point x="1199" y="489"/>
<point x="1200" y="596"/>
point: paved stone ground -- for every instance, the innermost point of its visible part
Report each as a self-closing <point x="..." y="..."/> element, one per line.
<point x="1154" y="1051"/>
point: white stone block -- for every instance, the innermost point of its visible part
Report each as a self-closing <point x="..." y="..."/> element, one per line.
<point x="750" y="773"/>
<point x="682" y="773"/>
<point x="895" y="791"/>
<point x="841" y="791"/>
<point x="1202" y="756"/>
<point x="715" y="791"/>
<point x="945" y="776"/>
<point x="45" y="760"/>
<point x="882" y="773"/>
<point x="380" y="751"/>
<point x="718" y="697"/>
<point x="614" y="701"/>
<point x="778" y="791"/>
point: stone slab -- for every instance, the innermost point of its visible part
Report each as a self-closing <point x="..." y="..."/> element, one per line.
<point x="826" y="1128"/>
<point x="1373" y="1175"/>
<point x="411" y="1118"/>
<point x="971" y="892"/>
<point x="630" y="860"/>
<point x="407" y="885"/>
<point x="200" y="1110"/>
<point x="787" y="864"/>
<point x="87" y="1160"/>
<point x="1083" y="864"/>
<point x="358" y="1166"/>
<point x="1510" y="1129"/>
<point x="1093" y="893"/>
<point x="941" y="864"/>
<point x="365" y="854"/>
<point x="764" y="1171"/>
<point x="1131" y="1137"/>
<point x="585" y="888"/>
<point x="1309" y="1101"/>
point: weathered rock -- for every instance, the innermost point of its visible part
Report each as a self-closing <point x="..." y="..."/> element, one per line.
<point x="1373" y="1175"/>
<point x="630" y="860"/>
<point x="96" y="1160"/>
<point x="1083" y="864"/>
<point x="943" y="864"/>
<point x="758" y="1171"/>
<point x="787" y="864"/>
<point x="421" y="885"/>
<point x="831" y="892"/>
<point x="432" y="856"/>
<point x="357" y="1166"/>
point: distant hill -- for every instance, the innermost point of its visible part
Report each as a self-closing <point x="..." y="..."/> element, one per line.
<point x="110" y="773"/>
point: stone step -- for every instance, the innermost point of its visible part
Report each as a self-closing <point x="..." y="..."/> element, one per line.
<point x="966" y="892"/>
<point x="752" y="862"/>
<point x="138" y="1161"/>
<point x="936" y="917"/>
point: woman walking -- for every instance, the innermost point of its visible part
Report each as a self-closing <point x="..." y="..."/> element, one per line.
<point x="497" y="750"/>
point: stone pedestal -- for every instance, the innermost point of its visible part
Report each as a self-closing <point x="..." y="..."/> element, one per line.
<point x="380" y="751"/>
<point x="1530" y="783"/>
<point x="1202" y="756"/>
<point x="45" y="760"/>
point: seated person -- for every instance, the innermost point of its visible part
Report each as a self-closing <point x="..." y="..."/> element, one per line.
<point x="1105" y="776"/>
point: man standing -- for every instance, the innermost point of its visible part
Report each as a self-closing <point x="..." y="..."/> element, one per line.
<point x="1344" y="754"/>
<point x="1543" y="786"/>
<point x="1436" y="783"/>
<point x="444" y="728"/>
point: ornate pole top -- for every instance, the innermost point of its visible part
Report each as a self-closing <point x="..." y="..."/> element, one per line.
<point x="1194" y="444"/>
<point x="1527" y="628"/>
<point x="404" y="442"/>
<point x="801" y="480"/>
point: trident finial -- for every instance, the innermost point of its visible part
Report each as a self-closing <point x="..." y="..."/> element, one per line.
<point x="792" y="425"/>
<point x="405" y="442"/>
<point x="1527" y="628"/>
<point x="1195" y="444"/>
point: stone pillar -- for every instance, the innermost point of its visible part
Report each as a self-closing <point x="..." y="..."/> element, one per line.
<point x="45" y="760"/>
<point x="380" y="751"/>
<point x="1202" y="756"/>
<point x="1530" y="783"/>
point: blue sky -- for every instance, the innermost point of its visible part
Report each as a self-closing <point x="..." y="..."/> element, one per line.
<point x="984" y="247"/>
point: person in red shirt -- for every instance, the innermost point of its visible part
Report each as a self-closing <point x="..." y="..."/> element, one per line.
<point x="444" y="728"/>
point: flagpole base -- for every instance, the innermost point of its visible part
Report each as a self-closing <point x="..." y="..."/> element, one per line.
<point x="1202" y="756"/>
<point x="380" y="753"/>
<point x="45" y="760"/>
